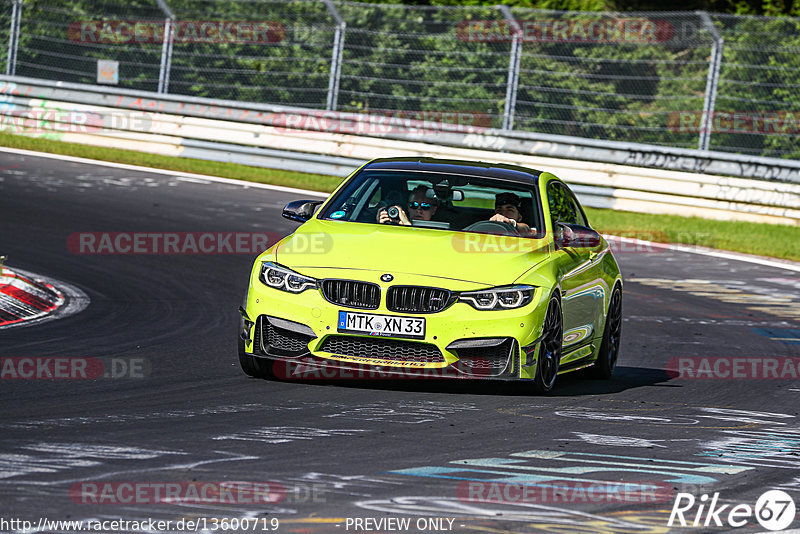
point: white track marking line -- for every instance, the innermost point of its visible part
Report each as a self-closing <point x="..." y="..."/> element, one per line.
<point x="201" y="178"/>
<point x="715" y="253"/>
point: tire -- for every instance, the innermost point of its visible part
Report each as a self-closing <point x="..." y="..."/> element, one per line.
<point x="549" y="349"/>
<point x="251" y="365"/>
<point x="256" y="367"/>
<point x="247" y="362"/>
<point x="609" y="348"/>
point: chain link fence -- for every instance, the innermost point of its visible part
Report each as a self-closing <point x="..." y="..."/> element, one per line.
<point x="681" y="79"/>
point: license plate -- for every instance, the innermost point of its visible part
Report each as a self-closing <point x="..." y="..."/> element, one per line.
<point x="381" y="325"/>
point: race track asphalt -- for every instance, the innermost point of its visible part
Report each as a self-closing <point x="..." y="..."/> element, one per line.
<point x="344" y="456"/>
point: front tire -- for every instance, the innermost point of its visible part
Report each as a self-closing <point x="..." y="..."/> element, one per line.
<point x="609" y="348"/>
<point x="251" y="365"/>
<point x="247" y="362"/>
<point x="256" y="367"/>
<point x="549" y="349"/>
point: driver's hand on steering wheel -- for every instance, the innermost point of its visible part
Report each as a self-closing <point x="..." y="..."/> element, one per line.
<point x="521" y="227"/>
<point x="502" y="218"/>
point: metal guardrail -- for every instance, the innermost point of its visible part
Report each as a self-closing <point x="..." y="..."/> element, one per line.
<point x="277" y="137"/>
<point x="556" y="146"/>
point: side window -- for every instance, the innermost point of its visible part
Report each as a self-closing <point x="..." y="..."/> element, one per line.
<point x="560" y="209"/>
<point x="579" y="218"/>
<point x="563" y="206"/>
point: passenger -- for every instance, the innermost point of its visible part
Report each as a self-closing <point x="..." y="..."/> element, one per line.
<point x="420" y="208"/>
<point x="508" y="209"/>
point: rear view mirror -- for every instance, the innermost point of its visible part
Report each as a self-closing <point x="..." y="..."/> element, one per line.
<point x="300" y="210"/>
<point x="445" y="194"/>
<point x="576" y="236"/>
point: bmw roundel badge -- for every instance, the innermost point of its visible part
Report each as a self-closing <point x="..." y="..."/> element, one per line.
<point x="387" y="277"/>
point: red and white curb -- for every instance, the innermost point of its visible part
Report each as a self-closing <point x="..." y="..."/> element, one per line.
<point x="26" y="298"/>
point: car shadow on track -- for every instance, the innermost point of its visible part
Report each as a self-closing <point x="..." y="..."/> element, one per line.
<point x="570" y="385"/>
<point x="624" y="378"/>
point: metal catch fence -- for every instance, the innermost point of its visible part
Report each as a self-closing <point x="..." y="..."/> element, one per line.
<point x="682" y="79"/>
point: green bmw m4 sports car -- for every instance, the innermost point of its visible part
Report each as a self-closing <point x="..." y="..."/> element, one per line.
<point x="427" y="268"/>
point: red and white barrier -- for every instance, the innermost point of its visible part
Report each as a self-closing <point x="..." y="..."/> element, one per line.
<point x="24" y="298"/>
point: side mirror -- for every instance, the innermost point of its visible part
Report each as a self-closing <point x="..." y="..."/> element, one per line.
<point x="575" y="235"/>
<point x="300" y="210"/>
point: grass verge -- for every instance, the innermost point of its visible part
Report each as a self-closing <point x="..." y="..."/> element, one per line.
<point x="777" y="241"/>
<point x="753" y="238"/>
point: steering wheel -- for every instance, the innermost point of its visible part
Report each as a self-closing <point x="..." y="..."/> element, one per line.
<point x="492" y="227"/>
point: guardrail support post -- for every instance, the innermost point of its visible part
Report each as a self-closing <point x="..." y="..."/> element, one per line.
<point x="712" y="81"/>
<point x="13" y="37"/>
<point x="336" y="57"/>
<point x="166" y="48"/>
<point x="512" y="85"/>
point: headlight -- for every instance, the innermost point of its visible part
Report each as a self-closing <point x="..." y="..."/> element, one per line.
<point x="285" y="279"/>
<point x="498" y="298"/>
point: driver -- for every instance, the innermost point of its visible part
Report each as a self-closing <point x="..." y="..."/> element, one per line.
<point x="420" y="208"/>
<point x="508" y="209"/>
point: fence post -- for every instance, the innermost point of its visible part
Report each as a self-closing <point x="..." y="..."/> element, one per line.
<point x="13" y="38"/>
<point x="512" y="84"/>
<point x="166" y="48"/>
<point x="336" y="57"/>
<point x="712" y="81"/>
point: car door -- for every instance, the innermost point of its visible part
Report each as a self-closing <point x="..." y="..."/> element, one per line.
<point x="582" y="290"/>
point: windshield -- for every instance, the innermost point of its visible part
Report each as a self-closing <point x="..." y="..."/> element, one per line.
<point x="439" y="201"/>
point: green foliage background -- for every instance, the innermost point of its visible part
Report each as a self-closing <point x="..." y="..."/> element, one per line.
<point x="409" y="58"/>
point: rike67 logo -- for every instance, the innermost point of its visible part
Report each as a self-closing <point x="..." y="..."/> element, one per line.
<point x="774" y="510"/>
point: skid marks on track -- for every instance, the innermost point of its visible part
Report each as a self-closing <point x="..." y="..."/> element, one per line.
<point x="404" y="412"/>
<point x="773" y="300"/>
<point x="520" y="517"/>
<point x="769" y="447"/>
<point x="58" y="457"/>
<point x="286" y="434"/>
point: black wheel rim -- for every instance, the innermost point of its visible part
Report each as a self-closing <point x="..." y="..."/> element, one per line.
<point x="614" y="320"/>
<point x="551" y="345"/>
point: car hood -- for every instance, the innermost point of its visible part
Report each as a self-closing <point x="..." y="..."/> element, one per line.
<point x="477" y="258"/>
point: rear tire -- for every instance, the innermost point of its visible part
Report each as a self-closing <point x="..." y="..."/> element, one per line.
<point x="549" y="349"/>
<point x="609" y="348"/>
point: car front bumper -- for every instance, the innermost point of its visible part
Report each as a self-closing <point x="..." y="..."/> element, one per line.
<point x="299" y="332"/>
